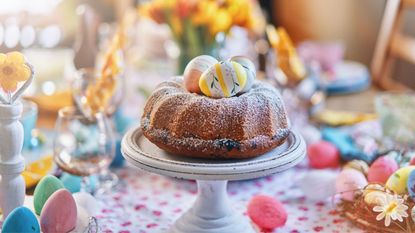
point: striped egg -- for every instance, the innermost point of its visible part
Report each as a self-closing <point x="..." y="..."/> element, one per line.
<point x="223" y="79"/>
<point x="194" y="70"/>
<point x="249" y="67"/>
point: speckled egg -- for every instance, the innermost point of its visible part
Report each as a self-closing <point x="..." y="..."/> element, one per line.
<point x="323" y="154"/>
<point x="411" y="185"/>
<point x="397" y="182"/>
<point x="224" y="79"/>
<point x="21" y="220"/>
<point x="266" y="212"/>
<point x="46" y="187"/>
<point x="194" y="70"/>
<point x="250" y="70"/>
<point x="348" y="181"/>
<point x="382" y="169"/>
<point x="358" y="165"/>
<point x="59" y="213"/>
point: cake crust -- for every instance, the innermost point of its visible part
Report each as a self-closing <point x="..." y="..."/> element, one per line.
<point x="189" y="124"/>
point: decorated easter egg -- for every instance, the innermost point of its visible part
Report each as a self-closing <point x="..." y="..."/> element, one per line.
<point x="397" y="182"/>
<point x="323" y="154"/>
<point x="382" y="169"/>
<point x="266" y="212"/>
<point x="375" y="197"/>
<point x="59" y="213"/>
<point x="194" y="70"/>
<point x="21" y="220"/>
<point x="372" y="188"/>
<point x="223" y="79"/>
<point x="358" y="165"/>
<point x="411" y="185"/>
<point x="348" y="182"/>
<point x="46" y="187"/>
<point x="318" y="184"/>
<point x="88" y="202"/>
<point x="249" y="68"/>
<point x="413" y="213"/>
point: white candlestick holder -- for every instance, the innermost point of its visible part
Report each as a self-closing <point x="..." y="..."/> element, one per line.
<point x="12" y="185"/>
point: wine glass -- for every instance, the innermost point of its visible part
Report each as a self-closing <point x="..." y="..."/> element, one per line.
<point x="81" y="147"/>
<point x="84" y="78"/>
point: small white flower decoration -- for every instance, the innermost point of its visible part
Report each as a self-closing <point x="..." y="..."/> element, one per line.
<point x="391" y="207"/>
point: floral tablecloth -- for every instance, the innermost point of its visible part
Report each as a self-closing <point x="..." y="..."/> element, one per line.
<point x="150" y="203"/>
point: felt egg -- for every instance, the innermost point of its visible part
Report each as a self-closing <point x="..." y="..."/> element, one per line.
<point x="249" y="68"/>
<point x="59" y="213"/>
<point x="411" y="185"/>
<point x="323" y="154"/>
<point x="266" y="212"/>
<point x="194" y="70"/>
<point x="223" y="79"/>
<point x="358" y="165"/>
<point x="88" y="202"/>
<point x="381" y="169"/>
<point x="348" y="182"/>
<point x="397" y="182"/>
<point x="318" y="184"/>
<point x="21" y="220"/>
<point x="46" y="187"/>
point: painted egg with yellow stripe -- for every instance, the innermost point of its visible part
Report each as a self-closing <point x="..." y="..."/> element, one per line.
<point x="223" y="79"/>
<point x="249" y="68"/>
<point x="194" y="70"/>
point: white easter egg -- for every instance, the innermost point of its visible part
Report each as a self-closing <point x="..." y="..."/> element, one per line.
<point x="250" y="69"/>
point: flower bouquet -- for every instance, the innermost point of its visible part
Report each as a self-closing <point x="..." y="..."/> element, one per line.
<point x="195" y="24"/>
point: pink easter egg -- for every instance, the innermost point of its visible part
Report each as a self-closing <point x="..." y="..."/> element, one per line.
<point x="381" y="170"/>
<point x="412" y="162"/>
<point x="267" y="212"/>
<point x="323" y="154"/>
<point x="59" y="213"/>
<point x="348" y="182"/>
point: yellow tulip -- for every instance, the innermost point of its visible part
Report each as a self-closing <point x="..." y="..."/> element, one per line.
<point x="13" y="70"/>
<point x="221" y="23"/>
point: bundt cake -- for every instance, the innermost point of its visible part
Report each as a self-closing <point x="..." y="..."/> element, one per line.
<point x="242" y="126"/>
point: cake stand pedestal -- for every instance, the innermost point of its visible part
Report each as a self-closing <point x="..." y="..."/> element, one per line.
<point x="211" y="212"/>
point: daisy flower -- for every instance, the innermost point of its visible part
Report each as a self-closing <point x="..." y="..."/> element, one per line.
<point x="391" y="207"/>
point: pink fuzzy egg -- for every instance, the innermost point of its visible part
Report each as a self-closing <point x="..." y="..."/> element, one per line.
<point x="348" y="182"/>
<point x="323" y="154"/>
<point x="194" y="70"/>
<point x="267" y="212"/>
<point x="59" y="213"/>
<point x="381" y="169"/>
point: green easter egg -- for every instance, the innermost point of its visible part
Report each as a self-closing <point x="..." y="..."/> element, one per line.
<point x="397" y="182"/>
<point x="46" y="187"/>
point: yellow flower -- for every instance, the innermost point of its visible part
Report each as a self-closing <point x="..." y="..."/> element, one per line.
<point x="205" y="12"/>
<point x="391" y="207"/>
<point x="13" y="70"/>
<point x="221" y="23"/>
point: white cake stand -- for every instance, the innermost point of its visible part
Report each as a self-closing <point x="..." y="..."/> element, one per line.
<point x="211" y="212"/>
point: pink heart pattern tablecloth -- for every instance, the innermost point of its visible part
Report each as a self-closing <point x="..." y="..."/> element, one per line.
<point x="151" y="203"/>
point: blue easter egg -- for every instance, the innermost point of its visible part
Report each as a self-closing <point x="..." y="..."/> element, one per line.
<point x="410" y="184"/>
<point x="73" y="183"/>
<point x="21" y="220"/>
